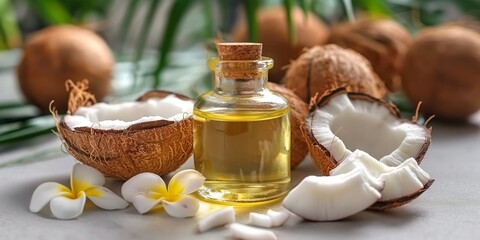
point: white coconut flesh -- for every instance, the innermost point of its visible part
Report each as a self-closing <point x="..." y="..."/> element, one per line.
<point x="123" y="115"/>
<point x="271" y="219"/>
<point x="218" y="218"/>
<point x="329" y="198"/>
<point x="343" y="125"/>
<point x="401" y="181"/>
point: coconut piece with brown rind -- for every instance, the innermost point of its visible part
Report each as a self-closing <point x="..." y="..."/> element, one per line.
<point x="401" y="201"/>
<point x="401" y="182"/>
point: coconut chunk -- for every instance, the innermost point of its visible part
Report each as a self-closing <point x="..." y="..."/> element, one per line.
<point x="422" y="176"/>
<point x="218" y="218"/>
<point x="123" y="115"/>
<point x="240" y="231"/>
<point x="401" y="181"/>
<point x="278" y="217"/>
<point x="330" y="198"/>
<point x="260" y="220"/>
<point x="271" y="219"/>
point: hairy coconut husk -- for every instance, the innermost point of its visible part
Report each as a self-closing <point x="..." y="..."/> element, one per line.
<point x="322" y="157"/>
<point x="58" y="53"/>
<point x="441" y="70"/>
<point x="298" y="113"/>
<point x="156" y="146"/>
<point x="382" y="41"/>
<point x="273" y="33"/>
<point x="323" y="68"/>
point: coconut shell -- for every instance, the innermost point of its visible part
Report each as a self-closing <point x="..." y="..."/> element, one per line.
<point x="273" y="33"/>
<point x="321" y="156"/>
<point x="298" y="113"/>
<point x="160" y="146"/>
<point x="382" y="41"/>
<point x="58" y="53"/>
<point x="441" y="71"/>
<point x="323" y="68"/>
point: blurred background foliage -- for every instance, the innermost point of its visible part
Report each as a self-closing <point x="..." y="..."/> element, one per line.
<point x="115" y="19"/>
<point x="144" y="33"/>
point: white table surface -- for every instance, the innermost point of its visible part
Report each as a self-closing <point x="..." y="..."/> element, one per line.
<point x="450" y="209"/>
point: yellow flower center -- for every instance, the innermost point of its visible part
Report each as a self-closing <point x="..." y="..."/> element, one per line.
<point x="79" y="186"/>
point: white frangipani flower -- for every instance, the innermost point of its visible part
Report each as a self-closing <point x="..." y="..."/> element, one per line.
<point x="68" y="203"/>
<point x="147" y="190"/>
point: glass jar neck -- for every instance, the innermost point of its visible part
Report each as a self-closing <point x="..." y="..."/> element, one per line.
<point x="239" y="86"/>
<point x="240" y="77"/>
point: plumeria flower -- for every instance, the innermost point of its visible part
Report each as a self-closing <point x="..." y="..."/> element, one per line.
<point x="147" y="190"/>
<point x="68" y="203"/>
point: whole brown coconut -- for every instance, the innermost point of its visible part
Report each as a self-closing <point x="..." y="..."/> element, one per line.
<point x="298" y="113"/>
<point x="441" y="70"/>
<point x="382" y="41"/>
<point x="273" y="33"/>
<point x="324" y="67"/>
<point x="58" y="53"/>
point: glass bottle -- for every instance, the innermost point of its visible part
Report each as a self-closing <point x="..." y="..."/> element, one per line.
<point x="242" y="130"/>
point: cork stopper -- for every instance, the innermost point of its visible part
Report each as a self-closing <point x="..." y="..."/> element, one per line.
<point x="239" y="51"/>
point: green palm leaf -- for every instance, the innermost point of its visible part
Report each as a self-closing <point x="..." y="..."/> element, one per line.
<point x="52" y="11"/>
<point x="176" y="13"/>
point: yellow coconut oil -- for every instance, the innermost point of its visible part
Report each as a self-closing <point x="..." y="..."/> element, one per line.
<point x="242" y="135"/>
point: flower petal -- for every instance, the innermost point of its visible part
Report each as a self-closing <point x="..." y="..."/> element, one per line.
<point x="84" y="177"/>
<point x="107" y="199"/>
<point x="143" y="202"/>
<point x="185" y="182"/>
<point x="143" y="183"/>
<point x="187" y="206"/>
<point x="46" y="192"/>
<point x="67" y="208"/>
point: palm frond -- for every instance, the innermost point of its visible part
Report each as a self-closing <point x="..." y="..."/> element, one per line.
<point x="126" y="23"/>
<point x="9" y="32"/>
<point x="176" y="13"/>
<point x="251" y="7"/>
<point x="288" y="6"/>
<point x="52" y="11"/>
<point x="145" y="32"/>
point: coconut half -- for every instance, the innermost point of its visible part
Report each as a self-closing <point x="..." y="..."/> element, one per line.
<point x="153" y="134"/>
<point x="342" y="122"/>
